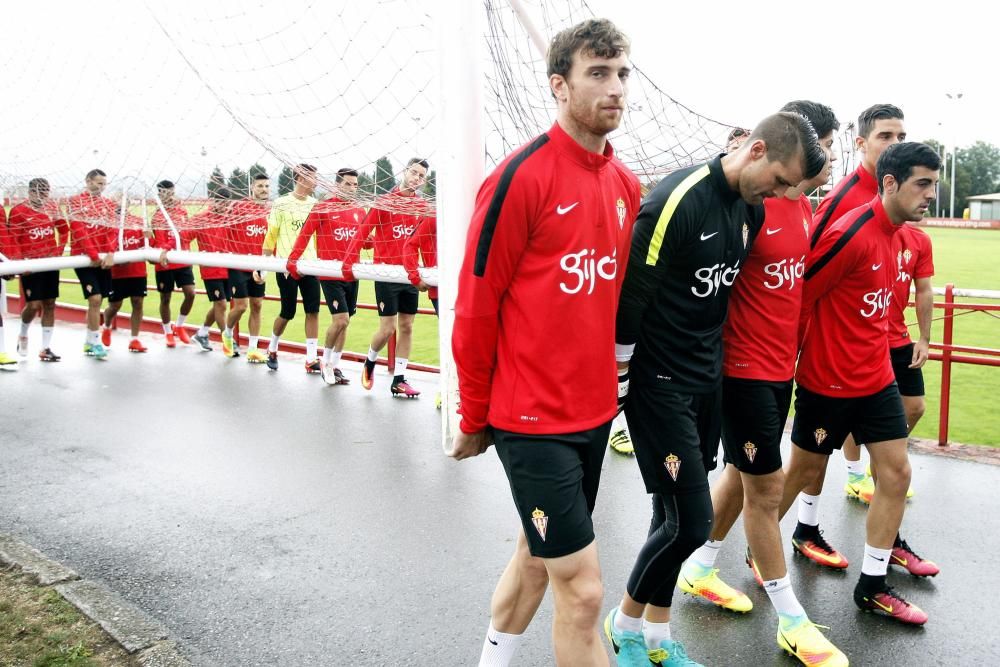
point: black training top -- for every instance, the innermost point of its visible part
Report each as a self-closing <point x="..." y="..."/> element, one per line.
<point x="688" y="244"/>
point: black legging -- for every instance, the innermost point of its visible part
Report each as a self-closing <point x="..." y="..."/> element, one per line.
<point x="680" y="525"/>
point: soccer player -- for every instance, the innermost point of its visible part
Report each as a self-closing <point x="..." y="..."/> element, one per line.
<point x="170" y="274"/>
<point x="551" y="226"/>
<point x="284" y="222"/>
<point x="36" y="230"/>
<point x="691" y="239"/>
<point x="844" y="376"/>
<point x="393" y="219"/>
<point x="760" y="344"/>
<point x="420" y="249"/>
<point x="735" y="138"/>
<point x="128" y="281"/>
<point x="209" y="231"/>
<point x="246" y="237"/>
<point x="93" y="231"/>
<point x="334" y="223"/>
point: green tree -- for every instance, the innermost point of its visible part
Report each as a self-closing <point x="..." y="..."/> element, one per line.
<point x="238" y="184"/>
<point x="384" y="179"/>
<point x="978" y="173"/>
<point x="255" y="169"/>
<point x="430" y="187"/>
<point x="216" y="183"/>
<point x="366" y="186"/>
<point x="286" y="180"/>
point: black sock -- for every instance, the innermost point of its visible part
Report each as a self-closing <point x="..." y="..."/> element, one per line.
<point x="396" y="379"/>
<point x="872" y="583"/>
<point x="898" y="541"/>
<point x="804" y="530"/>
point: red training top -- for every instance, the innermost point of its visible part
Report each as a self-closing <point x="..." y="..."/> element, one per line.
<point x="335" y="223"/>
<point x="247" y="227"/>
<point x="33" y="234"/>
<point x="854" y="191"/>
<point x="914" y="259"/>
<point x="211" y="232"/>
<point x="163" y="238"/>
<point x="421" y="244"/>
<point x="93" y="225"/>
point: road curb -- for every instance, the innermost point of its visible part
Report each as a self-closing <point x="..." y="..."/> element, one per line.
<point x="956" y="450"/>
<point x="132" y="628"/>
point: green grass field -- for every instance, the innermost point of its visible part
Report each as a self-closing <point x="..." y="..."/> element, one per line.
<point x="964" y="257"/>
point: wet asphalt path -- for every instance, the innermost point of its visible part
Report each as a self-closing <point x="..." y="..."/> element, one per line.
<point x="267" y="519"/>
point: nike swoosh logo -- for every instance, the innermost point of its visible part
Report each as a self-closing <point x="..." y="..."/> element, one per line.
<point x="884" y="607"/>
<point x="773" y="231"/>
<point x="807" y="502"/>
<point x="793" y="647"/>
<point x="491" y="641"/>
<point x="705" y="237"/>
<point x="876" y="267"/>
<point x="563" y="211"/>
<point x="878" y="559"/>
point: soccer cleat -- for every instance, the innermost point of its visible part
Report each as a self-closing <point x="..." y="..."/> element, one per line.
<point x="804" y="641"/>
<point x="889" y="603"/>
<point x="135" y="345"/>
<point x="340" y="377"/>
<point x="171" y="340"/>
<point x="314" y="366"/>
<point x="621" y="442"/>
<point x="752" y="564"/>
<point x="670" y="653"/>
<point x="705" y="583"/>
<point x="815" y="547"/>
<point x="182" y="334"/>
<point x="903" y="556"/>
<point x="629" y="647"/>
<point x="437" y="400"/>
<point x="7" y="362"/>
<point x="95" y="350"/>
<point x="227" y="345"/>
<point x="105" y="337"/>
<point x="256" y="357"/>
<point x="203" y="341"/>
<point x="862" y="489"/>
<point x="48" y="355"/>
<point x="22" y="345"/>
<point x="272" y="360"/>
<point x="403" y="388"/>
<point x="368" y="375"/>
<point x="328" y="376"/>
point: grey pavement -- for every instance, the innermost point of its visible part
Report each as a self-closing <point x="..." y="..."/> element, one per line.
<point x="267" y="519"/>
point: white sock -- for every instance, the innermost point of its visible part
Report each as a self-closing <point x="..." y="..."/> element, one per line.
<point x="707" y="553"/>
<point x="655" y="633"/>
<point x="24" y="329"/>
<point x="3" y="341"/>
<point x="783" y="597"/>
<point x="273" y="345"/>
<point x="498" y="648"/>
<point x="253" y="342"/>
<point x="93" y="337"/>
<point x="203" y="330"/>
<point x="228" y="331"/>
<point x="335" y="356"/>
<point x="808" y="509"/>
<point x="166" y="328"/>
<point x="180" y="320"/>
<point x="400" y="368"/>
<point x="46" y="337"/>
<point x="327" y="354"/>
<point x="876" y="562"/>
<point x="311" y="344"/>
<point x="855" y="467"/>
<point x="372" y="355"/>
<point x="624" y="623"/>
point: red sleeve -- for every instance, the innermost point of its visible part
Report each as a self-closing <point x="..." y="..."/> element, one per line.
<point x="825" y="267"/>
<point x="411" y="253"/>
<point x="85" y="239"/>
<point x="8" y="240"/>
<point x="364" y="230"/>
<point x="477" y="308"/>
<point x="313" y="221"/>
<point x="925" y="262"/>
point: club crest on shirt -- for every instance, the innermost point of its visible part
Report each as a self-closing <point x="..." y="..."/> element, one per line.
<point x="750" y="450"/>
<point x="805" y="225"/>
<point x="906" y="256"/>
<point x="746" y="234"/>
<point x="541" y="522"/>
<point x="820" y="435"/>
<point x="620" y="206"/>
<point x="673" y="465"/>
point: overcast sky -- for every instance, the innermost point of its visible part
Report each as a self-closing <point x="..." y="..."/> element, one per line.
<point x="141" y="89"/>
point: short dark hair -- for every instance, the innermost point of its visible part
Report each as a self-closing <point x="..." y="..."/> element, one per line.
<point x="303" y="167"/>
<point x="786" y="134"/>
<point x="261" y="177"/>
<point x="165" y="185"/>
<point x="218" y="194"/>
<point x="345" y="171"/>
<point x="900" y="159"/>
<point x="419" y="160"/>
<point x="736" y="133"/>
<point x="823" y="120"/>
<point x="94" y="173"/>
<point x="598" y="37"/>
<point x="867" y="118"/>
<point x="38" y="184"/>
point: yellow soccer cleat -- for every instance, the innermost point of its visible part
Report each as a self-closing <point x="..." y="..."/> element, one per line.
<point x="256" y="357"/>
<point x="621" y="442"/>
<point x="804" y="641"/>
<point x="862" y="489"/>
<point x="705" y="583"/>
<point x="7" y="362"/>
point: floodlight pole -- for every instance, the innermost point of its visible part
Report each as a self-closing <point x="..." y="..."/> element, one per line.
<point x="954" y="153"/>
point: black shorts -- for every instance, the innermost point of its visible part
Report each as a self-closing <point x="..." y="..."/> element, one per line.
<point x="217" y="289"/>
<point x="754" y="413"/>
<point x="94" y="280"/>
<point x="909" y="380"/>
<point x="676" y="437"/>
<point x="121" y="288"/>
<point x="822" y="423"/>
<point x="167" y="279"/>
<point x="40" y="286"/>
<point x="242" y="285"/>
<point x="554" y="481"/>
<point x="341" y="296"/>
<point x="395" y="298"/>
<point x="290" y="288"/>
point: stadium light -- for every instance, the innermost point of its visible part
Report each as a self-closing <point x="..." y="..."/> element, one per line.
<point x="954" y="152"/>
